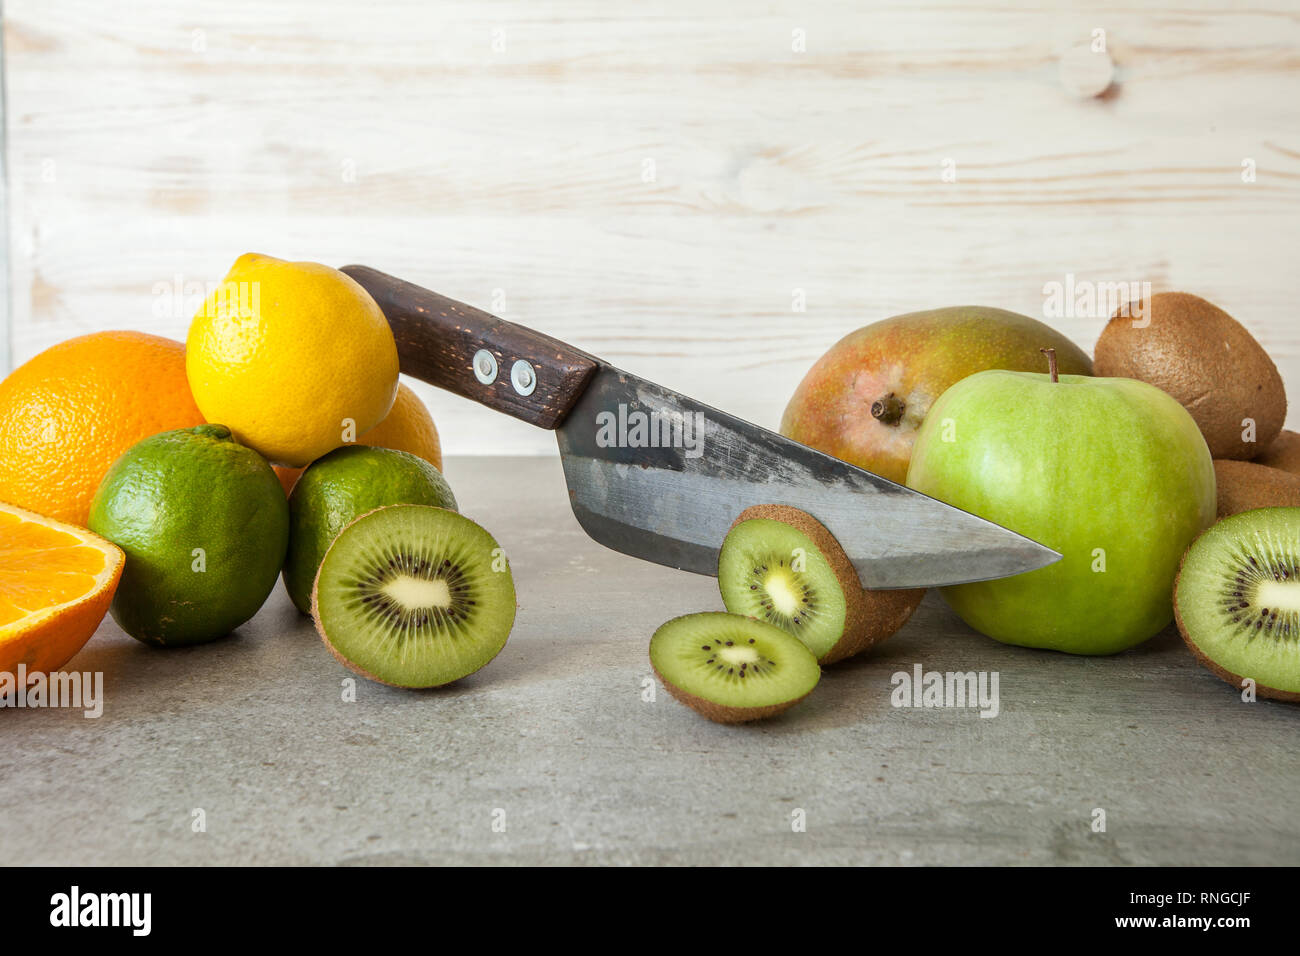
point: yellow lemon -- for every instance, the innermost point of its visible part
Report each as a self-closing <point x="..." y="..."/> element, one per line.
<point x="294" y="358"/>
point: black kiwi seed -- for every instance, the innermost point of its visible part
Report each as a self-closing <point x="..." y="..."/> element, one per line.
<point x="1247" y="571"/>
<point x="409" y="623"/>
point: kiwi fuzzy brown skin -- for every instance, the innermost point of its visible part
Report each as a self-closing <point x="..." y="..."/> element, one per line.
<point x="1247" y="485"/>
<point x="1203" y="357"/>
<point x="719" y="713"/>
<point x="870" y="616"/>
<point x="1261" y="690"/>
<point x="1284" y="453"/>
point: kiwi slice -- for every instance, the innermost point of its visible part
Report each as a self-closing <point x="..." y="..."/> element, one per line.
<point x="414" y="596"/>
<point x="1237" y="600"/>
<point x="731" y="668"/>
<point x="782" y="566"/>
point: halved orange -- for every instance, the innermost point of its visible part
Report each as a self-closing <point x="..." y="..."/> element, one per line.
<point x="56" y="582"/>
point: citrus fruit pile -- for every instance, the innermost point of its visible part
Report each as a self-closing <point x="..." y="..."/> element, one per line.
<point x="171" y="484"/>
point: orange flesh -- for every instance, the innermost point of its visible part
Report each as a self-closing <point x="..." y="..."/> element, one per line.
<point x="43" y="567"/>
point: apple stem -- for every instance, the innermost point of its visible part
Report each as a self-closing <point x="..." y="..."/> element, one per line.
<point x="1051" y="363"/>
<point x="888" y="410"/>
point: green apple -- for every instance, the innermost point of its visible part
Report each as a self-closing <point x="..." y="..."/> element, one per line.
<point x="864" y="400"/>
<point x="1111" y="472"/>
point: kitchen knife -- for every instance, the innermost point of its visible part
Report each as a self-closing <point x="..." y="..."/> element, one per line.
<point x="655" y="474"/>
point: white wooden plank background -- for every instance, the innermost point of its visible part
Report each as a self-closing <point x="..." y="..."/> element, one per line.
<point x="496" y="152"/>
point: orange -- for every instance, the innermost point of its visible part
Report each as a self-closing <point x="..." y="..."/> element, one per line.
<point x="409" y="427"/>
<point x="288" y="477"/>
<point x="56" y="582"/>
<point x="68" y="413"/>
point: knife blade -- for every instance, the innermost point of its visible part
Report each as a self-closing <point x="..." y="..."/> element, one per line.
<point x="657" y="475"/>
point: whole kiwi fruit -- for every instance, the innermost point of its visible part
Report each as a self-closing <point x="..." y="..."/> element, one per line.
<point x="1284" y="453"/>
<point x="1204" y="358"/>
<point x="1246" y="485"/>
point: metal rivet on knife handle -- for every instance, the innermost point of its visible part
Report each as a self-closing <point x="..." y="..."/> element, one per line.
<point x="485" y="366"/>
<point x="523" y="378"/>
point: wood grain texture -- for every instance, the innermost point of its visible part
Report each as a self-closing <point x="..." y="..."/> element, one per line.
<point x="682" y="192"/>
<point x="439" y="341"/>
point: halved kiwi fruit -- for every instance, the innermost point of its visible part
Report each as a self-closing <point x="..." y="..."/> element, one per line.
<point x="414" y="596"/>
<point x="731" y="668"/>
<point x="1237" y="600"/>
<point x="782" y="566"/>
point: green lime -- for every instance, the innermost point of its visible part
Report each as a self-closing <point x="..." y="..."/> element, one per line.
<point x="344" y="485"/>
<point x="204" y="525"/>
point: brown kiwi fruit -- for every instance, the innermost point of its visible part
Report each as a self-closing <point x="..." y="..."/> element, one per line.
<point x="1284" y="453"/>
<point x="782" y="566"/>
<point x="1245" y="486"/>
<point x="1205" y="359"/>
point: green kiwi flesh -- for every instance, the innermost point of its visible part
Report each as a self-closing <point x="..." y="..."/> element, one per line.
<point x="774" y="571"/>
<point x="731" y="668"/>
<point x="414" y="596"/>
<point x="1237" y="600"/>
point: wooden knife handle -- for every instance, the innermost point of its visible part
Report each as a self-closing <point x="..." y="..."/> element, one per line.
<point x="440" y="341"/>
